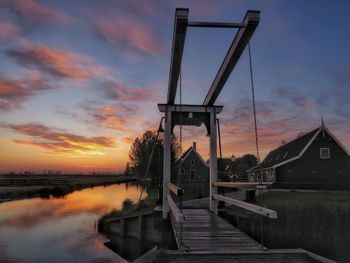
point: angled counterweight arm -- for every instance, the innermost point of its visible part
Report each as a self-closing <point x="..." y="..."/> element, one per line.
<point x="235" y="51"/>
<point x="180" y="28"/>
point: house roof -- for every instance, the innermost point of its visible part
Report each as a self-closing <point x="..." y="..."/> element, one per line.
<point x="187" y="153"/>
<point x="294" y="149"/>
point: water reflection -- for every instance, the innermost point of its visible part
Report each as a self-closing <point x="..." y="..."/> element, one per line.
<point x="60" y="229"/>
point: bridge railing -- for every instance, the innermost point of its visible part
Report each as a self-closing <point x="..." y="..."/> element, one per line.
<point x="247" y="206"/>
<point x="179" y="217"/>
<point x="176" y="212"/>
<point x="262" y="211"/>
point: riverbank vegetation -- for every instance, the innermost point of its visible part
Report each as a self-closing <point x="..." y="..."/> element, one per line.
<point x="26" y="186"/>
<point x="315" y="221"/>
<point x="130" y="208"/>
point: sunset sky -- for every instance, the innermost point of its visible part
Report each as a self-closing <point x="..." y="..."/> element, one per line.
<point x="79" y="79"/>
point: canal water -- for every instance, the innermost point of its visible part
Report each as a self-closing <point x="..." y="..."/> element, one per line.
<point x="61" y="229"/>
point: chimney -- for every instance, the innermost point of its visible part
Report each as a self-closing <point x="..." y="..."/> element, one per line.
<point x="194" y="145"/>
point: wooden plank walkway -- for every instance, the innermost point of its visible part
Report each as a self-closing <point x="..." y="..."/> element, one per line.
<point x="204" y="231"/>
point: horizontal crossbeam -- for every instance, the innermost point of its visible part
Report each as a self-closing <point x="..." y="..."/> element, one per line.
<point x="235" y="51"/>
<point x="253" y="208"/>
<point x="215" y="24"/>
<point x="189" y="108"/>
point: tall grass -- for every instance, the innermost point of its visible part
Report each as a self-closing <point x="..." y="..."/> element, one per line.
<point x="318" y="221"/>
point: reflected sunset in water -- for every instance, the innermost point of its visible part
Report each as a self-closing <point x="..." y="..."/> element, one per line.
<point x="63" y="229"/>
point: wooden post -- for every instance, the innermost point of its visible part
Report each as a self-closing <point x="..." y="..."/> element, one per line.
<point x="140" y="223"/>
<point x="213" y="162"/>
<point x="166" y="161"/>
<point x="122" y="227"/>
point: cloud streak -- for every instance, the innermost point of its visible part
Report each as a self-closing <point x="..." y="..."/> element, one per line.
<point x="292" y="96"/>
<point x="54" y="62"/>
<point x="117" y="116"/>
<point x="128" y="34"/>
<point x="14" y="92"/>
<point x="54" y="141"/>
<point x="117" y="90"/>
<point x="31" y="13"/>
<point x="8" y="32"/>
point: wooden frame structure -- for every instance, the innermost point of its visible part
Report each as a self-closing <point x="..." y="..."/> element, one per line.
<point x="205" y="113"/>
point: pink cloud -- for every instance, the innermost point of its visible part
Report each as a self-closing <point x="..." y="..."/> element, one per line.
<point x="305" y="103"/>
<point x="8" y="32"/>
<point x="30" y="11"/>
<point x="117" y="116"/>
<point x="128" y="34"/>
<point x="119" y="91"/>
<point x="15" y="92"/>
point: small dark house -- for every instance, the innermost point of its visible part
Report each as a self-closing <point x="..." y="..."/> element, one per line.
<point x="315" y="160"/>
<point x="192" y="174"/>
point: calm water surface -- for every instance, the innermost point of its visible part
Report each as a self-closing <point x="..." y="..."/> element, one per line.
<point x="60" y="229"/>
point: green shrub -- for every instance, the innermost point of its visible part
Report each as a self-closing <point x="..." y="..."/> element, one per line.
<point x="128" y="204"/>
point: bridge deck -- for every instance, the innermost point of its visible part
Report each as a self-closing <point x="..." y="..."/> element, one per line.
<point x="202" y="230"/>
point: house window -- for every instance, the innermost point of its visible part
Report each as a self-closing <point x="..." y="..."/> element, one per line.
<point x="182" y="171"/>
<point x="192" y="162"/>
<point x="324" y="153"/>
<point x="192" y="174"/>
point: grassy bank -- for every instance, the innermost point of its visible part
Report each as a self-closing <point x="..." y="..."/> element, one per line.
<point x="316" y="221"/>
<point x="24" y="186"/>
<point x="129" y="209"/>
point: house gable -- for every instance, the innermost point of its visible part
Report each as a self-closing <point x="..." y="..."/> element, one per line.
<point x="295" y="149"/>
<point x="189" y="153"/>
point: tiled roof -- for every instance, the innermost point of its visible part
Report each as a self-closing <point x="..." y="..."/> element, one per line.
<point x="289" y="150"/>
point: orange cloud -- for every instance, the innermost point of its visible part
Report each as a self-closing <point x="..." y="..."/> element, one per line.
<point x="128" y="33"/>
<point x="8" y="32"/>
<point x="115" y="116"/>
<point x="55" y="62"/>
<point x="54" y="141"/>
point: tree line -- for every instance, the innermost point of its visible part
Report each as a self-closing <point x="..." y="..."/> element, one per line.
<point x="229" y="169"/>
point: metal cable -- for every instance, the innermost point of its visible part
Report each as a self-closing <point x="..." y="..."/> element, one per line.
<point x="254" y="108"/>
<point x="150" y="160"/>
<point x="256" y="138"/>
<point x="180" y="93"/>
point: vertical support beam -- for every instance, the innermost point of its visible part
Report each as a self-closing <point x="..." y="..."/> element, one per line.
<point x="213" y="172"/>
<point x="166" y="161"/>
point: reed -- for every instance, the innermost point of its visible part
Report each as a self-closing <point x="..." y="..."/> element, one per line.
<point x="317" y="221"/>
